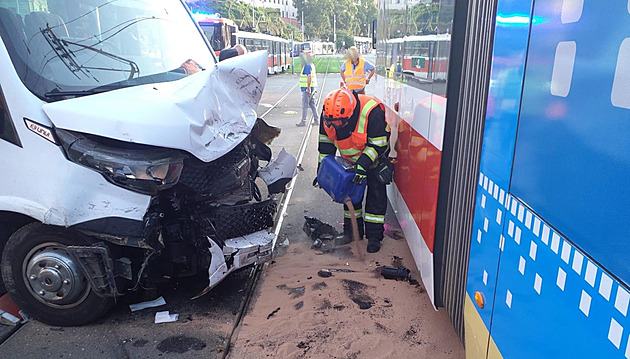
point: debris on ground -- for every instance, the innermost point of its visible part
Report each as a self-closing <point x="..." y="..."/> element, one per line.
<point x="148" y="304"/>
<point x="324" y="273"/>
<point x="357" y="292"/>
<point x="398" y="273"/>
<point x="273" y="313"/>
<point x="317" y="229"/>
<point x="341" y="270"/>
<point x="7" y="318"/>
<point x="293" y="292"/>
<point x="165" y="317"/>
<point x="317" y="243"/>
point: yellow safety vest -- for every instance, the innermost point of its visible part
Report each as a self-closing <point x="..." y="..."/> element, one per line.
<point x="304" y="78"/>
<point x="355" y="80"/>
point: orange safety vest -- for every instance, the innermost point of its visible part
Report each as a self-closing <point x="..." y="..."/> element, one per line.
<point x="355" y="80"/>
<point x="352" y="147"/>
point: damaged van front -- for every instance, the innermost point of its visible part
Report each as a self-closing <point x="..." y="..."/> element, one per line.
<point x="129" y="156"/>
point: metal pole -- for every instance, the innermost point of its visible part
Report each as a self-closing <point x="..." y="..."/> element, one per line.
<point x="335" y="29"/>
<point x="303" y="39"/>
<point x="291" y="52"/>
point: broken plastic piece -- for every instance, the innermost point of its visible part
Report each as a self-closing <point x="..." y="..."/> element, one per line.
<point x="281" y="169"/>
<point x="148" y="304"/>
<point x="8" y="318"/>
<point x="165" y="317"/>
<point x="315" y="228"/>
<point x="400" y="273"/>
<point x="324" y="273"/>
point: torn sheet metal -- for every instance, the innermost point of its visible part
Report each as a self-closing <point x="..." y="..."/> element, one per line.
<point x="206" y="114"/>
<point x="283" y="167"/>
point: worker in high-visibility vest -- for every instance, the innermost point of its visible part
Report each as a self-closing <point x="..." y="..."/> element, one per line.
<point x="355" y="125"/>
<point x="356" y="72"/>
<point x="308" y="85"/>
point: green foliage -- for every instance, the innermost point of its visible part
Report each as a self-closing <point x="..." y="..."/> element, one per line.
<point x="344" y="39"/>
<point x="352" y="17"/>
<point x="420" y="19"/>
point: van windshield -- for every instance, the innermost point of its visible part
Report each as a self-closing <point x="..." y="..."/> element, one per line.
<point x="85" y="46"/>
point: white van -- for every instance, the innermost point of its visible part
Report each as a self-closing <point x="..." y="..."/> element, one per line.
<point x="128" y="155"/>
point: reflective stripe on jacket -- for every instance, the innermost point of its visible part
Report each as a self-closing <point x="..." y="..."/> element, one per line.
<point x="355" y="80"/>
<point x="352" y="147"/>
<point x="304" y="78"/>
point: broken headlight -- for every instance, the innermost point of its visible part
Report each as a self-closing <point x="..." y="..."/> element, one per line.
<point x="139" y="168"/>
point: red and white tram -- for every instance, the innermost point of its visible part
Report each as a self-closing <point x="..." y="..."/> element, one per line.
<point x="424" y="56"/>
<point x="278" y="48"/>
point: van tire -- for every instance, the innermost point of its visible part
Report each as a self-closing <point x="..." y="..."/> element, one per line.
<point x="35" y="238"/>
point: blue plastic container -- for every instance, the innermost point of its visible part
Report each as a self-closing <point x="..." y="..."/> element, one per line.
<point x="337" y="182"/>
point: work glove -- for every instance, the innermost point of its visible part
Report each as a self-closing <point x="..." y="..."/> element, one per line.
<point x="385" y="172"/>
<point x="360" y="175"/>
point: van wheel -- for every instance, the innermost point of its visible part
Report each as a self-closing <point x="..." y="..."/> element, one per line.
<point x="45" y="281"/>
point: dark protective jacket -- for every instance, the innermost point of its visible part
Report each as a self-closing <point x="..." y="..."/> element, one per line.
<point x="377" y="139"/>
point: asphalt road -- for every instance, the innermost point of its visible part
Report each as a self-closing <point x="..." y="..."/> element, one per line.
<point x="204" y="324"/>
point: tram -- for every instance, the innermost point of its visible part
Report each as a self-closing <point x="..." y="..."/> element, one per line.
<point x="511" y="174"/>
<point x="322" y="48"/>
<point x="364" y="44"/>
<point x="221" y="32"/>
<point x="424" y="56"/>
<point x="277" y="47"/>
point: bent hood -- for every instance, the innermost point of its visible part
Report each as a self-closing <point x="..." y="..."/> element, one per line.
<point x="206" y="114"/>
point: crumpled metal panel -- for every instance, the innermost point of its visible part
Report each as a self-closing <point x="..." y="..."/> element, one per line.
<point x="206" y="114"/>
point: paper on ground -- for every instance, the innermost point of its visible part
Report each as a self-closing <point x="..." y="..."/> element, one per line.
<point x="150" y="304"/>
<point x="165" y="317"/>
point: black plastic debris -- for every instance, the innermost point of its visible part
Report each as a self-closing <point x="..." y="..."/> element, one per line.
<point x="317" y="243"/>
<point x="399" y="273"/>
<point x="317" y="229"/>
<point x="273" y="313"/>
<point x="324" y="273"/>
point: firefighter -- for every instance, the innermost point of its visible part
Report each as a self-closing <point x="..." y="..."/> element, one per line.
<point x="356" y="72"/>
<point x="355" y="125"/>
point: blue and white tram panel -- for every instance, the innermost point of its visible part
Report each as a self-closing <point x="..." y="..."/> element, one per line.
<point x="551" y="235"/>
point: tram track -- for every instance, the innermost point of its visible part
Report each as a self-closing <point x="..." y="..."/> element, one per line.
<point x="257" y="270"/>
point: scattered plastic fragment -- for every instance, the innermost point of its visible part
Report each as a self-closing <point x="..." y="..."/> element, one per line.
<point x="165" y="317"/>
<point x="315" y="229"/>
<point x="273" y="313"/>
<point x="324" y="273"/>
<point x="148" y="304"/>
<point x="7" y="318"/>
<point x="400" y="273"/>
<point x="317" y="243"/>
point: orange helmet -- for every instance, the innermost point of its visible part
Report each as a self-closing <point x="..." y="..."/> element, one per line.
<point x="338" y="107"/>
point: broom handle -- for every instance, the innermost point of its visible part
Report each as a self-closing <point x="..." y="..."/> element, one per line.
<point x="355" y="229"/>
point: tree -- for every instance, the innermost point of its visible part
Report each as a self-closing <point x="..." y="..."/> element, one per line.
<point x="366" y="13"/>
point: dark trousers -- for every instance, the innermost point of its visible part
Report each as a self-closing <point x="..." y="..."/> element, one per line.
<point x="371" y="221"/>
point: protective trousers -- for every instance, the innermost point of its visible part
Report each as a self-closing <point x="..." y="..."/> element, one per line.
<point x="371" y="221"/>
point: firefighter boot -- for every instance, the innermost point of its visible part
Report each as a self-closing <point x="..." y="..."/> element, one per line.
<point x="374" y="245"/>
<point x="347" y="232"/>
